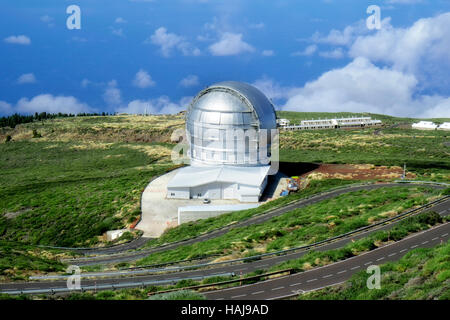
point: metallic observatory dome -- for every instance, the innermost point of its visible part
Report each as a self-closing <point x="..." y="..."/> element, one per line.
<point x="224" y="125"/>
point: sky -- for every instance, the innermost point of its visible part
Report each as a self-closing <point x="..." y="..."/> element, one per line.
<point x="154" y="56"/>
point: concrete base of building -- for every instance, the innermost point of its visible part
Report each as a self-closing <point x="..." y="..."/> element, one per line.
<point x="160" y="213"/>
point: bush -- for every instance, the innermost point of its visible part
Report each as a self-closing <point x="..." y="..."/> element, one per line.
<point x="179" y="295"/>
<point x="430" y="217"/>
<point x="127" y="235"/>
<point x="36" y="134"/>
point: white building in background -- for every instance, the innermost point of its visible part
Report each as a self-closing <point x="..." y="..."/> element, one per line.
<point x="424" y="125"/>
<point x="283" y="122"/>
<point x="336" y="123"/>
<point x="225" y="166"/>
<point x="444" y="126"/>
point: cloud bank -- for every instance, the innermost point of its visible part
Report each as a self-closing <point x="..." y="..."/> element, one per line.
<point x="390" y="72"/>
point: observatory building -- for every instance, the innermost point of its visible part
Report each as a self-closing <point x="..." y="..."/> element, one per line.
<point x="229" y="149"/>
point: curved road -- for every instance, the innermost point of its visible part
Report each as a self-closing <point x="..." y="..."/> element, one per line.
<point x="135" y="255"/>
<point x="335" y="273"/>
<point x="442" y="208"/>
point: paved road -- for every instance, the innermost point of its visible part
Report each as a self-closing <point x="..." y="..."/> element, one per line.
<point x="442" y="208"/>
<point x="334" y="273"/>
<point x="132" y="245"/>
<point x="132" y="256"/>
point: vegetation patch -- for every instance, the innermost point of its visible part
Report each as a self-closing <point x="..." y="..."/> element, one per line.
<point x="406" y="227"/>
<point x="18" y="261"/>
<point x="70" y="193"/>
<point x="303" y="226"/>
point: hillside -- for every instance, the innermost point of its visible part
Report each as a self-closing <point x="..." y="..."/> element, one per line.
<point x="65" y="181"/>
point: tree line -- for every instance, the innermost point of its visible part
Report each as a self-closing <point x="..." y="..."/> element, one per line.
<point x="15" y="119"/>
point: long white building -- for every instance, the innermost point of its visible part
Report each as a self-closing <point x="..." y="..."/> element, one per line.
<point x="424" y="125"/>
<point x="336" y="123"/>
<point x="444" y="126"/>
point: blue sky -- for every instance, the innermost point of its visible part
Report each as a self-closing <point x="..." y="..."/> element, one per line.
<point x="132" y="55"/>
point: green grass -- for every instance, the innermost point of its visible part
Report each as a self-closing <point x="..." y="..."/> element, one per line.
<point x="179" y="295"/>
<point x="423" y="152"/>
<point x="104" y="128"/>
<point x="406" y="227"/>
<point x="16" y="260"/>
<point x="85" y="175"/>
<point x="422" y="274"/>
<point x="302" y="226"/>
<point x="68" y="193"/>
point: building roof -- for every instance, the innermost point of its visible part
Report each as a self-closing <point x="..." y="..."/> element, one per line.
<point x="236" y="98"/>
<point x="197" y="176"/>
<point x="424" y="124"/>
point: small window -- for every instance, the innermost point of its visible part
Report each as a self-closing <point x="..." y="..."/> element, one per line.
<point x="172" y="194"/>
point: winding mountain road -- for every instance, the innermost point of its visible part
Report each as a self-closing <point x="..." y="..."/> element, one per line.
<point x="113" y="257"/>
<point x="335" y="273"/>
<point x="442" y="208"/>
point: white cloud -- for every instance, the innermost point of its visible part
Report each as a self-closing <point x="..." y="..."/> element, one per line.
<point x="23" y="40"/>
<point x="422" y="49"/>
<point x="347" y="36"/>
<point x="268" y="53"/>
<point x="26" y="78"/>
<point x="5" y="108"/>
<point x="161" y="105"/>
<point x="118" y="32"/>
<point x="230" y="44"/>
<point x="190" y="81"/>
<point x="309" y="50"/>
<point x="337" y="53"/>
<point x="48" y="20"/>
<point x="271" y="89"/>
<point x="85" y="82"/>
<point x="168" y="42"/>
<point x="120" y="20"/>
<point x="404" y="1"/>
<point x="112" y="95"/>
<point x="257" y="25"/>
<point x="143" y="80"/>
<point x="363" y="87"/>
<point x="337" y="37"/>
<point x="391" y="70"/>
<point x="438" y="107"/>
<point x="51" y="104"/>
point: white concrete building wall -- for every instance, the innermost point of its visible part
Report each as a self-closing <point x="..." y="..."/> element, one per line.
<point x="209" y="191"/>
<point x="424" y="125"/>
<point x="216" y="190"/>
<point x="248" y="198"/>
<point x="444" y="126"/>
<point x="178" y="193"/>
<point x="248" y="193"/>
<point x="193" y="213"/>
<point x="229" y="191"/>
<point x="114" y="234"/>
